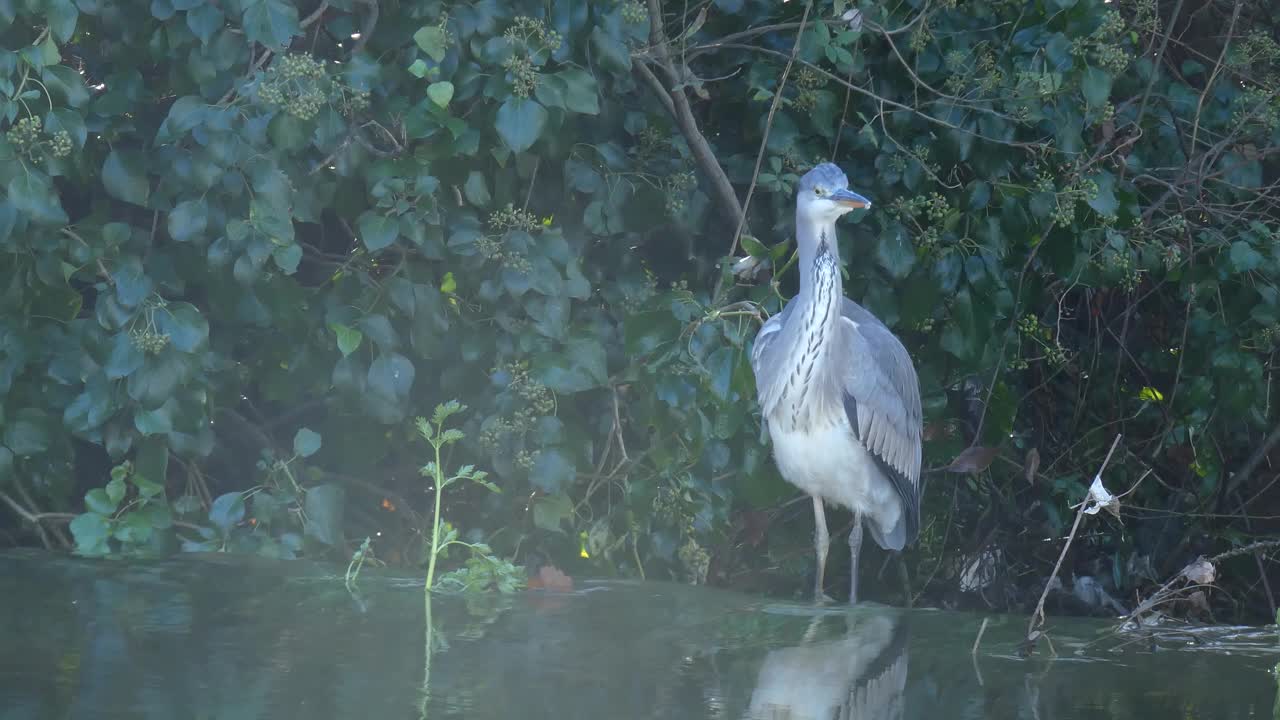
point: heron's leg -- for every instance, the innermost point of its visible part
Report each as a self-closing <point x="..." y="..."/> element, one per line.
<point x="821" y="544"/>
<point x="855" y="547"/>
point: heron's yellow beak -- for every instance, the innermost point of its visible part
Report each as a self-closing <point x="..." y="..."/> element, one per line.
<point x="850" y="199"/>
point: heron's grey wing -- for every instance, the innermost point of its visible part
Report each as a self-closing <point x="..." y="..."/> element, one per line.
<point x="882" y="402"/>
<point x="766" y="360"/>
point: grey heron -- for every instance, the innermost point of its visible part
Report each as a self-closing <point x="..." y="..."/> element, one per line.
<point x="837" y="390"/>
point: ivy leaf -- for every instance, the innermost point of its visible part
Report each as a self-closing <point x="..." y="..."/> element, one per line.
<point x="432" y="41"/>
<point x="90" y="531"/>
<point x="89" y="410"/>
<point x="959" y="337"/>
<point x="227" y="510"/>
<point x="324" y="506"/>
<point x="720" y="366"/>
<point x="754" y="247"/>
<point x="185" y="114"/>
<point x="1104" y="202"/>
<point x="306" y="442"/>
<point x="379" y="330"/>
<point x="581" y="93"/>
<point x="188" y="220"/>
<point x="132" y="284"/>
<point x="27" y="434"/>
<point x="134" y="528"/>
<point x="348" y="338"/>
<point x="65" y="85"/>
<point x="62" y="15"/>
<point x="392" y="376"/>
<point x="125" y="357"/>
<point x="289" y="133"/>
<point x="97" y="500"/>
<point x="895" y="253"/>
<point x="377" y="231"/>
<point x="477" y="189"/>
<point x="576" y="285"/>
<point x="610" y="51"/>
<point x="550" y="511"/>
<point x="186" y="327"/>
<point x="1095" y="85"/>
<point x="1244" y="258"/>
<point x="287" y="257"/>
<point x="440" y="93"/>
<point x="32" y="192"/>
<point x="520" y="122"/>
<point x="116" y="490"/>
<point x="205" y="20"/>
<point x="124" y="177"/>
<point x="270" y="22"/>
<point x="158" y="421"/>
<point x="582" y="366"/>
<point x="551" y="471"/>
<point x="154" y="383"/>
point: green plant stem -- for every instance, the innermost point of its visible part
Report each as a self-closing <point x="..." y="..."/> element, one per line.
<point x="435" y="522"/>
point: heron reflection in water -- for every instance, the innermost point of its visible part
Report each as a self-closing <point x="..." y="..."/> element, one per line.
<point x="861" y="676"/>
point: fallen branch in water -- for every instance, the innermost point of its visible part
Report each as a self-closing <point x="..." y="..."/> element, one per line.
<point x="1037" y="617"/>
<point x="978" y="640"/>
<point x="1199" y="573"/>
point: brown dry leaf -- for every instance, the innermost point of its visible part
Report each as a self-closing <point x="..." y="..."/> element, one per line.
<point x="973" y="460"/>
<point x="551" y="578"/>
<point x="1198" y="601"/>
<point x="1200" y="571"/>
<point x="1032" y="464"/>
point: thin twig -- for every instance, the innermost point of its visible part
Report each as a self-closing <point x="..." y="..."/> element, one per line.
<point x="1155" y="64"/>
<point x="315" y="15"/>
<point x="1239" y="477"/>
<point x="768" y="125"/>
<point x="1037" y="617"/>
<point x="682" y="113"/>
<point x="617" y="425"/>
<point x="978" y="640"/>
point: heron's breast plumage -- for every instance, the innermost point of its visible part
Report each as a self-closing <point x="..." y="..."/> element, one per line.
<point x="807" y="402"/>
<point x="814" y="444"/>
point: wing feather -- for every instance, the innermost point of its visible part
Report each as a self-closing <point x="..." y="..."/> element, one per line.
<point x="882" y="400"/>
<point x="766" y="360"/>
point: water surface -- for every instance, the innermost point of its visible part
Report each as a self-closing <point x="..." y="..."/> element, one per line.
<point x="238" y="638"/>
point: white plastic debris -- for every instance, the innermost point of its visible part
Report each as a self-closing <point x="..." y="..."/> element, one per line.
<point x="853" y="16"/>
<point x="1101" y="499"/>
<point x="747" y="267"/>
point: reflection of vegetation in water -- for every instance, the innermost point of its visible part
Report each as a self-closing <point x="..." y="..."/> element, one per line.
<point x="358" y="558"/>
<point x="427" y="650"/>
<point x="483" y="569"/>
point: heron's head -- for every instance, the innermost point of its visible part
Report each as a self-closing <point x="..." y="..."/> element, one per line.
<point x="824" y="194"/>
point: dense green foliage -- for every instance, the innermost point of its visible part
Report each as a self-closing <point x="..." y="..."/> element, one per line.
<point x="245" y="242"/>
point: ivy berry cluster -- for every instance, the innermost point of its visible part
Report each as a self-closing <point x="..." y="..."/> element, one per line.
<point x="28" y="138"/>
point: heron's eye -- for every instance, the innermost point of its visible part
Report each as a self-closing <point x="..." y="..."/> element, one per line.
<point x="819" y="192"/>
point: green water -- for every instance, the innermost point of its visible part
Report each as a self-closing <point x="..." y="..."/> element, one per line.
<point x="231" y="638"/>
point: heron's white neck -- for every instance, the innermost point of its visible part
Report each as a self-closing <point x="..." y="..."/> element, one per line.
<point x="811" y="235"/>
